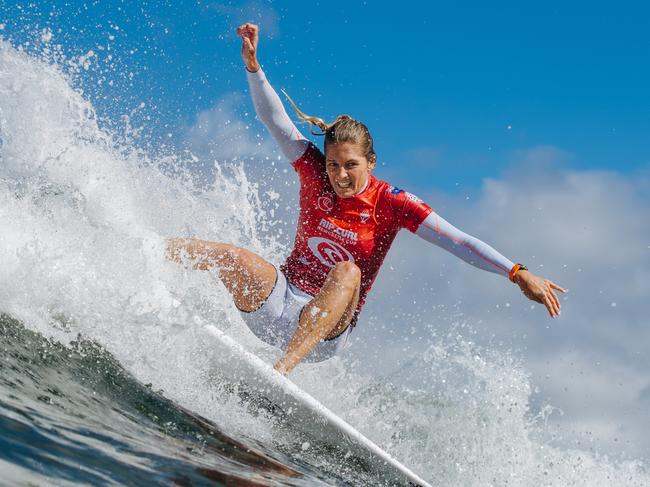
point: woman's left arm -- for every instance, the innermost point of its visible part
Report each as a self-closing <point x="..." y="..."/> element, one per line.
<point x="440" y="232"/>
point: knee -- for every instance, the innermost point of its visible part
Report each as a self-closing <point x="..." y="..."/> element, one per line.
<point x="347" y="272"/>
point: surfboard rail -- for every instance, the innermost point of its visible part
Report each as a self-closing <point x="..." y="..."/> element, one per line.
<point x="309" y="414"/>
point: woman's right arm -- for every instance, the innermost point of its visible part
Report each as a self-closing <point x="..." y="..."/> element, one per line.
<point x="268" y="105"/>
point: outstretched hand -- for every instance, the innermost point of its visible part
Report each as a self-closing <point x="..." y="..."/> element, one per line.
<point x="541" y="290"/>
<point x="249" y="34"/>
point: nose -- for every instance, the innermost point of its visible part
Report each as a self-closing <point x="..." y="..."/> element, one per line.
<point x="341" y="173"/>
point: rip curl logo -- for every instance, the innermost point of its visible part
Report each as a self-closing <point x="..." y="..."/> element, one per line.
<point x="325" y="203"/>
<point x="338" y="232"/>
<point x="364" y="216"/>
<point x="328" y="252"/>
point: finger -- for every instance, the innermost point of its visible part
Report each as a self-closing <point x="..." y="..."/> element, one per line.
<point x="556" y="300"/>
<point x="548" y="290"/>
<point x="556" y="287"/>
<point x="554" y="303"/>
<point x="549" y="306"/>
<point x="247" y="43"/>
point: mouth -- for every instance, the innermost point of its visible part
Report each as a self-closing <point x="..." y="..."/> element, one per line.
<point x="344" y="185"/>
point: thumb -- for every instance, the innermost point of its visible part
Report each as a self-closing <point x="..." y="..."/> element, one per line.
<point x="248" y="44"/>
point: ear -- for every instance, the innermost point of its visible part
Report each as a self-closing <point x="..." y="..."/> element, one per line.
<point x="372" y="163"/>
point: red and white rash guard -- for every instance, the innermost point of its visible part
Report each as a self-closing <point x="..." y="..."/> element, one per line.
<point x="361" y="228"/>
<point x="358" y="229"/>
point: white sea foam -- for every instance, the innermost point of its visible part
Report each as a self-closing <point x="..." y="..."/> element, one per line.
<point x="82" y="228"/>
<point x="83" y="234"/>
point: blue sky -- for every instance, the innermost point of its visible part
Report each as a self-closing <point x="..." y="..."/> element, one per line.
<point x="452" y="93"/>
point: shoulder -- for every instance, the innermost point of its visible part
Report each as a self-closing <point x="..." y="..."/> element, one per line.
<point x="311" y="171"/>
<point x="409" y="210"/>
<point x="312" y="158"/>
<point x="397" y="197"/>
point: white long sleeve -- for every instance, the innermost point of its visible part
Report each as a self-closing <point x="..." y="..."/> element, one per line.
<point x="440" y="232"/>
<point x="271" y="112"/>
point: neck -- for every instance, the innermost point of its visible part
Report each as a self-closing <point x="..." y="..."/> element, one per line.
<point x="364" y="186"/>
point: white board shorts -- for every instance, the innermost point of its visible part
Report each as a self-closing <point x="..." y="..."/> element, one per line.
<point x="277" y="319"/>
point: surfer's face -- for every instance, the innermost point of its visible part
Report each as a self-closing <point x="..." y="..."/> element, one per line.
<point x="347" y="168"/>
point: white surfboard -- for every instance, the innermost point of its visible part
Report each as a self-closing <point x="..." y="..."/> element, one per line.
<point x="306" y="413"/>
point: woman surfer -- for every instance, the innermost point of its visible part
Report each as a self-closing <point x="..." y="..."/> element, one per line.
<point x="347" y="222"/>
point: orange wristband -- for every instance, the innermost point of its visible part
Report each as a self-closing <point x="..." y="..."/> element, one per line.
<point x="516" y="268"/>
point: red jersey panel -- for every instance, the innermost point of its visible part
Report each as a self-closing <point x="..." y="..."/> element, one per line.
<point x="359" y="229"/>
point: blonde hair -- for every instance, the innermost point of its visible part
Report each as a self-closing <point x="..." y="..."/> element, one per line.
<point x="344" y="128"/>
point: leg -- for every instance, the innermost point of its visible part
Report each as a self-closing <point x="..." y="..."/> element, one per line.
<point x="246" y="275"/>
<point x="326" y="316"/>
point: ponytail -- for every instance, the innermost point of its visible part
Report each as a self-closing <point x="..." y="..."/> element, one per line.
<point x="343" y="129"/>
<point x="315" y="121"/>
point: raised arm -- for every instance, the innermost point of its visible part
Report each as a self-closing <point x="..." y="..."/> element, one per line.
<point x="440" y="232"/>
<point x="267" y="103"/>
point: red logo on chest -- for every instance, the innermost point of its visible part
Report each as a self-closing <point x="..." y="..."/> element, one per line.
<point x="325" y="203"/>
<point x="328" y="252"/>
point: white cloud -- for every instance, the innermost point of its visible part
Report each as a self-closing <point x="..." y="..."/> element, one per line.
<point x="588" y="231"/>
<point x="221" y="134"/>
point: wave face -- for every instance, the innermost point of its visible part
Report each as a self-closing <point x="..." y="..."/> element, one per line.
<point x="108" y="378"/>
<point x="72" y="415"/>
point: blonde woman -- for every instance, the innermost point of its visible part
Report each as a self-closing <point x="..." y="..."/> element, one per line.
<point x="347" y="222"/>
